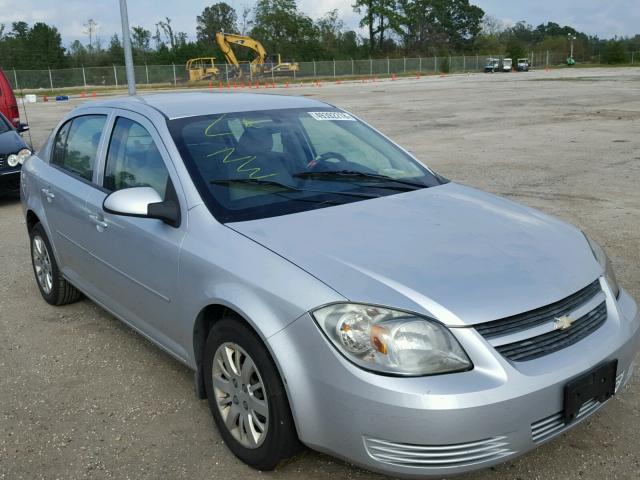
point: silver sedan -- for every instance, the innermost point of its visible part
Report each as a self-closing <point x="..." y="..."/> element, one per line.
<point x="327" y="288"/>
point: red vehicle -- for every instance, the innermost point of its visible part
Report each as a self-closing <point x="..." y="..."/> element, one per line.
<point x="8" y="103"/>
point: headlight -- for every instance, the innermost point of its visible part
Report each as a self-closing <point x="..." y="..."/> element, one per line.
<point x="604" y="261"/>
<point x="23" y="155"/>
<point x="391" y="341"/>
<point x="13" y="160"/>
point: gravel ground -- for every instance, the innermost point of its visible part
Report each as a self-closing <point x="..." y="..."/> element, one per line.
<point x="82" y="396"/>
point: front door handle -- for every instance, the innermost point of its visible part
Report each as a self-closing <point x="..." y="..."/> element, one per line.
<point x="49" y="195"/>
<point x="98" y="222"/>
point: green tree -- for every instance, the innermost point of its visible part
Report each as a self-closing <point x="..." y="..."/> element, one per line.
<point x="219" y="17"/>
<point x="614" y="51"/>
<point x="115" y="51"/>
<point x="45" y="46"/>
<point x="283" y="29"/>
<point x="441" y="25"/>
<point x="379" y="16"/>
<point x="515" y="49"/>
<point x="140" y="43"/>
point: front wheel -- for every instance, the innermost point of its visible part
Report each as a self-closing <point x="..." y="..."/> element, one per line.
<point x="246" y="396"/>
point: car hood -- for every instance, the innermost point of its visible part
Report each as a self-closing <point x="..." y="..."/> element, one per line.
<point x="11" y="142"/>
<point x="458" y="254"/>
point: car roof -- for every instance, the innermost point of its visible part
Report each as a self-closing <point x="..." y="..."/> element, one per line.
<point x="190" y="104"/>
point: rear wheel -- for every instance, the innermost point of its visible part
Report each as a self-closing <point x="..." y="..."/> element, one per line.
<point x="247" y="397"/>
<point x="53" y="286"/>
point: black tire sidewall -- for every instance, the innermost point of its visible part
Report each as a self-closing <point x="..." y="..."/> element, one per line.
<point x="52" y="296"/>
<point x="281" y="441"/>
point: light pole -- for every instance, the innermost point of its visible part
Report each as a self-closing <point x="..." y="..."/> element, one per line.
<point x="571" y="39"/>
<point x="126" y="43"/>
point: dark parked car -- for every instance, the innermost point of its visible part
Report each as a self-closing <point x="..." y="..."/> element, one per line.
<point x="13" y="152"/>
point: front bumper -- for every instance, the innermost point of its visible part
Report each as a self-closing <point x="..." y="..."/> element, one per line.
<point x="10" y="180"/>
<point x="446" y="424"/>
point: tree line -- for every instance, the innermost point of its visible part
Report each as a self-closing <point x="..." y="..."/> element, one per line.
<point x="392" y="28"/>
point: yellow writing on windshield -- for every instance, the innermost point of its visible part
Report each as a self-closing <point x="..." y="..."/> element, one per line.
<point x="213" y="125"/>
<point x="245" y="161"/>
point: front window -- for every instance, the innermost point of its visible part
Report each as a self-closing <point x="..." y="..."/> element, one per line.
<point x="260" y="164"/>
<point x="133" y="160"/>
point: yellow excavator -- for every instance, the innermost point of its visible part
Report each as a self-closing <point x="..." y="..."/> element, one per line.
<point x="262" y="64"/>
<point x="202" y="68"/>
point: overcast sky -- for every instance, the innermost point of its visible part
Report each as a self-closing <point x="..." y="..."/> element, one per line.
<point x="604" y="18"/>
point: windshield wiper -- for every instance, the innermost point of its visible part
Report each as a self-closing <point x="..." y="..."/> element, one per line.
<point x="271" y="183"/>
<point x="355" y="173"/>
<point x="253" y="181"/>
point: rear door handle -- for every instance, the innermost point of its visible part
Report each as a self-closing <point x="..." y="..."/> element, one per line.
<point x="98" y="222"/>
<point x="49" y="195"/>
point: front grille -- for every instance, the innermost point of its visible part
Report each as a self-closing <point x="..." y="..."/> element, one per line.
<point x="3" y="161"/>
<point x="553" y="425"/>
<point x="555" y="340"/>
<point x="524" y="321"/>
<point x="438" y="456"/>
<point x="532" y="334"/>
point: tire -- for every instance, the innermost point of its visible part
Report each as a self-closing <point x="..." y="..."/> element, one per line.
<point x="52" y="285"/>
<point x="232" y="340"/>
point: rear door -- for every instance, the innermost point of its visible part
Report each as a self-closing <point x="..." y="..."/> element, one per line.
<point x="137" y="271"/>
<point x="65" y="186"/>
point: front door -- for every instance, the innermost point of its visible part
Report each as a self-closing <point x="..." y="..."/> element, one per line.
<point x="137" y="271"/>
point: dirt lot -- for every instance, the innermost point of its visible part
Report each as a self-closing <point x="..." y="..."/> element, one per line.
<point x="81" y="396"/>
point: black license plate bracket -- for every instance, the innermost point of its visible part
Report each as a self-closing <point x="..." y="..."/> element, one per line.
<point x="598" y="383"/>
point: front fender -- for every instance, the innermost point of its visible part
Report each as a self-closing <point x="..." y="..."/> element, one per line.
<point x="219" y="266"/>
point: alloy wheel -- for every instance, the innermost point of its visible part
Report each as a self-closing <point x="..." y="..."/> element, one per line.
<point x="240" y="395"/>
<point x="42" y="264"/>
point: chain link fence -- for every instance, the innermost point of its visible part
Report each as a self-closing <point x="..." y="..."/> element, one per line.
<point x="114" y="76"/>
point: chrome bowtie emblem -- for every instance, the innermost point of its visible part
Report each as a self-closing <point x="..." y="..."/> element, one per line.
<point x="564" y="322"/>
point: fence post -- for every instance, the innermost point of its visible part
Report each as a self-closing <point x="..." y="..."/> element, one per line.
<point x="632" y="58"/>
<point x="370" y="66"/>
<point x="420" y="64"/>
<point x="404" y="61"/>
<point x="477" y="62"/>
<point x="115" y="75"/>
<point x="84" y="77"/>
<point x="334" y="68"/>
<point x="464" y="63"/>
<point x="175" y="80"/>
<point x="435" y="64"/>
<point x="272" y="79"/>
<point x="314" y="68"/>
<point x="15" y="78"/>
<point x="146" y="71"/>
<point x="226" y="71"/>
<point x="547" y="58"/>
<point x="388" y="69"/>
<point x="50" y="78"/>
<point x="353" y="71"/>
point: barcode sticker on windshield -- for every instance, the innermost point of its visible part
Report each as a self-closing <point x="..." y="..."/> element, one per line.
<point x="332" y="116"/>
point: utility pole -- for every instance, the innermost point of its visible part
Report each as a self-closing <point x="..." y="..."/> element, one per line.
<point x="126" y="43"/>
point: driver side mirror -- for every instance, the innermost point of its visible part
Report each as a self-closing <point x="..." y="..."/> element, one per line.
<point x="22" y="127"/>
<point x="143" y="202"/>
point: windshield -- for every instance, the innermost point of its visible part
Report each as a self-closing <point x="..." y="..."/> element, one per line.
<point x="261" y="164"/>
